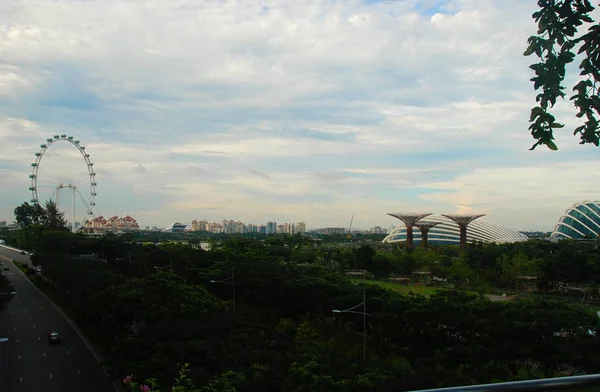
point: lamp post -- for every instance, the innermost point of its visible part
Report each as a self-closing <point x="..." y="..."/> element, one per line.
<point x="3" y="340"/>
<point x="365" y="314"/>
<point x="11" y="293"/>
<point x="230" y="280"/>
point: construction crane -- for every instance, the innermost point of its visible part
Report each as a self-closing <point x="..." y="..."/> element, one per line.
<point x="349" y="235"/>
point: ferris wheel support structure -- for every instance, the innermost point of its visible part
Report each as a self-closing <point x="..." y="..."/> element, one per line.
<point x="73" y="190"/>
<point x="90" y="203"/>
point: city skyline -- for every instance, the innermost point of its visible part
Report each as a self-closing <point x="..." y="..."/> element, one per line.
<point x="299" y="111"/>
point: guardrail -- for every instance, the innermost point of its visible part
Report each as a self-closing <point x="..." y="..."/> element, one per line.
<point x="546" y="384"/>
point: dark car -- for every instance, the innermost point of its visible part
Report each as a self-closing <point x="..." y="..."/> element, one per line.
<point x="5" y="268"/>
<point x="54" y="338"/>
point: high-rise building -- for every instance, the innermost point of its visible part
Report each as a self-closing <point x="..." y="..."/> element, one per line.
<point x="300" y="227"/>
<point x="229" y="226"/>
<point x="114" y="223"/>
<point x="198" y="225"/>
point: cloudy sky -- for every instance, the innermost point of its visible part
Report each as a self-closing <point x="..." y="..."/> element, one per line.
<point x="290" y="110"/>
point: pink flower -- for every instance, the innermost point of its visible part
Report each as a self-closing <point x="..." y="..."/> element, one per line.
<point x="127" y="380"/>
<point x="144" y="388"/>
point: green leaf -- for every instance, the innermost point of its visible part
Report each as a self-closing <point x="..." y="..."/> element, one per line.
<point x="530" y="49"/>
<point x="551" y="145"/>
<point x="557" y="125"/>
<point x="536" y="112"/>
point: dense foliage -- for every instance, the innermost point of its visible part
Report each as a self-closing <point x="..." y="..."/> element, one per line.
<point x="48" y="216"/>
<point x="559" y="22"/>
<point x="152" y="308"/>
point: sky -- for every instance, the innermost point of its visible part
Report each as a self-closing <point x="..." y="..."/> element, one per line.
<point x="303" y="110"/>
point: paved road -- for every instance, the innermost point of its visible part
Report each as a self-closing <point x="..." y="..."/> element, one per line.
<point x="14" y="254"/>
<point x="28" y="362"/>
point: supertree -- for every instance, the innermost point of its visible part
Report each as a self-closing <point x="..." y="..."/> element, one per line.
<point x="424" y="227"/>
<point x="463" y="222"/>
<point x="409" y="220"/>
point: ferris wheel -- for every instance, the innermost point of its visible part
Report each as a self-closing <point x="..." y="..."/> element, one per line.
<point x="64" y="169"/>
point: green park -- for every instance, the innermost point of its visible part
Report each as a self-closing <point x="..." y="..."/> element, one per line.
<point x="291" y="313"/>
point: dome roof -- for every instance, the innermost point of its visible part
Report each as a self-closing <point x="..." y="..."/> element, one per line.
<point x="174" y="227"/>
<point x="580" y="221"/>
<point x="447" y="232"/>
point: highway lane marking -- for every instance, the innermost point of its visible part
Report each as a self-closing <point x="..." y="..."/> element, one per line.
<point x="39" y="338"/>
<point x="21" y="379"/>
<point x="50" y="375"/>
<point x="69" y="351"/>
<point x="44" y="354"/>
<point x="17" y="340"/>
<point x="33" y="325"/>
<point x="78" y="372"/>
<point x="68" y="320"/>
<point x="19" y="357"/>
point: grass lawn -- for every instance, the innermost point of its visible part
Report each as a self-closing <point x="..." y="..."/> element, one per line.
<point x="593" y="308"/>
<point x="399" y="287"/>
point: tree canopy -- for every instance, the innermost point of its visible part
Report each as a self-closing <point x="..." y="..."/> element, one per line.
<point x="48" y="216"/>
<point x="283" y="335"/>
<point x="558" y="39"/>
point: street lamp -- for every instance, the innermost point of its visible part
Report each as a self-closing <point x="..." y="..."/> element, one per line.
<point x="2" y="340"/>
<point x="230" y="280"/>
<point x="365" y="314"/>
<point x="11" y="293"/>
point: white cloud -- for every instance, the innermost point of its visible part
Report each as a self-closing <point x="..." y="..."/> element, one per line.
<point x="312" y="110"/>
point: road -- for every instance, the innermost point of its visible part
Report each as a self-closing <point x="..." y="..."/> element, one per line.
<point x="27" y="361"/>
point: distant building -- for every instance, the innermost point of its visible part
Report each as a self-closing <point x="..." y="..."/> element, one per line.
<point x="2" y="223"/>
<point x="176" y="227"/>
<point x="377" y="230"/>
<point x="332" y="230"/>
<point x="114" y="224"/>
<point x="536" y="234"/>
<point x="230" y="226"/>
<point x="300" y="227"/>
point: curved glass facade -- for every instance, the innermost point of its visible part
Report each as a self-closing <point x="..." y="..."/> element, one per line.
<point x="175" y="227"/>
<point x="447" y="232"/>
<point x="580" y="221"/>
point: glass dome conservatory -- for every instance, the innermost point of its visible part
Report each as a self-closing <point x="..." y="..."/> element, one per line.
<point x="447" y="232"/>
<point x="579" y="222"/>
